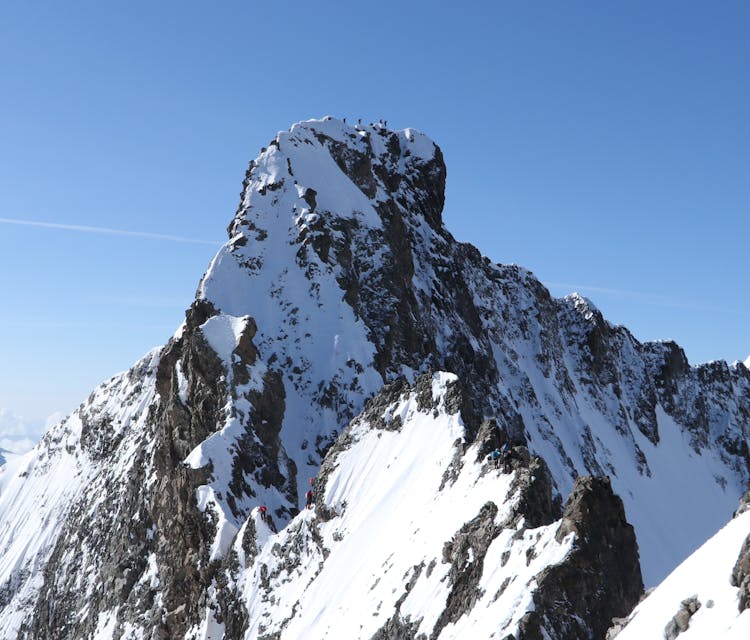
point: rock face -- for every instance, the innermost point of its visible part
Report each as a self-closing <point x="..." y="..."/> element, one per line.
<point x="741" y="575"/>
<point x="339" y="280"/>
<point x="741" y="569"/>
<point x="600" y="579"/>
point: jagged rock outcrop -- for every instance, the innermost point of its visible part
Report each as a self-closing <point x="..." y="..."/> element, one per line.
<point x="465" y="553"/>
<point x="741" y="575"/>
<point x="741" y="569"/>
<point x="538" y="503"/>
<point x="600" y="579"/>
<point x="681" y="620"/>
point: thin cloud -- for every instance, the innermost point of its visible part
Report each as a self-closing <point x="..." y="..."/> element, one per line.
<point x="61" y="325"/>
<point x="155" y="302"/>
<point x="645" y="298"/>
<point x="608" y="290"/>
<point x="107" y="231"/>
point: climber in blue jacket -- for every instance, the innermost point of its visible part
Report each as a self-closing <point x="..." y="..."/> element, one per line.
<point x="495" y="457"/>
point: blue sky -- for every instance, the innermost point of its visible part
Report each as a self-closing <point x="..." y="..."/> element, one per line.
<point x="604" y="146"/>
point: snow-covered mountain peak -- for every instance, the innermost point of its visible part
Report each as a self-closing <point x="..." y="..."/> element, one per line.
<point x="323" y="179"/>
<point x="583" y="306"/>
<point x="337" y="295"/>
<point x="326" y="168"/>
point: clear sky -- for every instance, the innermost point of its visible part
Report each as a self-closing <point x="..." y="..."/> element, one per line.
<point x="603" y="145"/>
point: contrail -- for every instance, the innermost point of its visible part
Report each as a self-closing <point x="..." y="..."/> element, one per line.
<point x="107" y="230"/>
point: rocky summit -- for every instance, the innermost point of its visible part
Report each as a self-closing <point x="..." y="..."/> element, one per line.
<point x="343" y="343"/>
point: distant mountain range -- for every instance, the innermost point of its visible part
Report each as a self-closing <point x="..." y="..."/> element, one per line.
<point x="343" y="343"/>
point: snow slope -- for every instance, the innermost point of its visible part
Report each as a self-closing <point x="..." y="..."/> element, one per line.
<point x="705" y="575"/>
<point x="40" y="489"/>
<point x="382" y="556"/>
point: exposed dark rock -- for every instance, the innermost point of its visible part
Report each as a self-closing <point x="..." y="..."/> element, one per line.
<point x="741" y="575"/>
<point x="231" y="611"/>
<point x="601" y="577"/>
<point x="398" y="628"/>
<point x="538" y="504"/>
<point x="376" y="408"/>
<point x="489" y="437"/>
<point x="465" y="552"/>
<point x="618" y="624"/>
<point x="681" y="620"/>
<point x="200" y="311"/>
<point x="744" y="503"/>
<point x="310" y="198"/>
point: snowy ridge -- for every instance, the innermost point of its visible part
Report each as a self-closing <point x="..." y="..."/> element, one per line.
<point x="705" y="576"/>
<point x="39" y="489"/>
<point x="382" y="555"/>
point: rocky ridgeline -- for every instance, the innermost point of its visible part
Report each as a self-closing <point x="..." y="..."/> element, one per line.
<point x="339" y="280"/>
<point x="596" y="578"/>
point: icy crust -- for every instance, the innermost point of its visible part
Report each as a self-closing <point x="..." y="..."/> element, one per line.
<point x="62" y="474"/>
<point x="383" y="554"/>
<point x="706" y="576"/>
